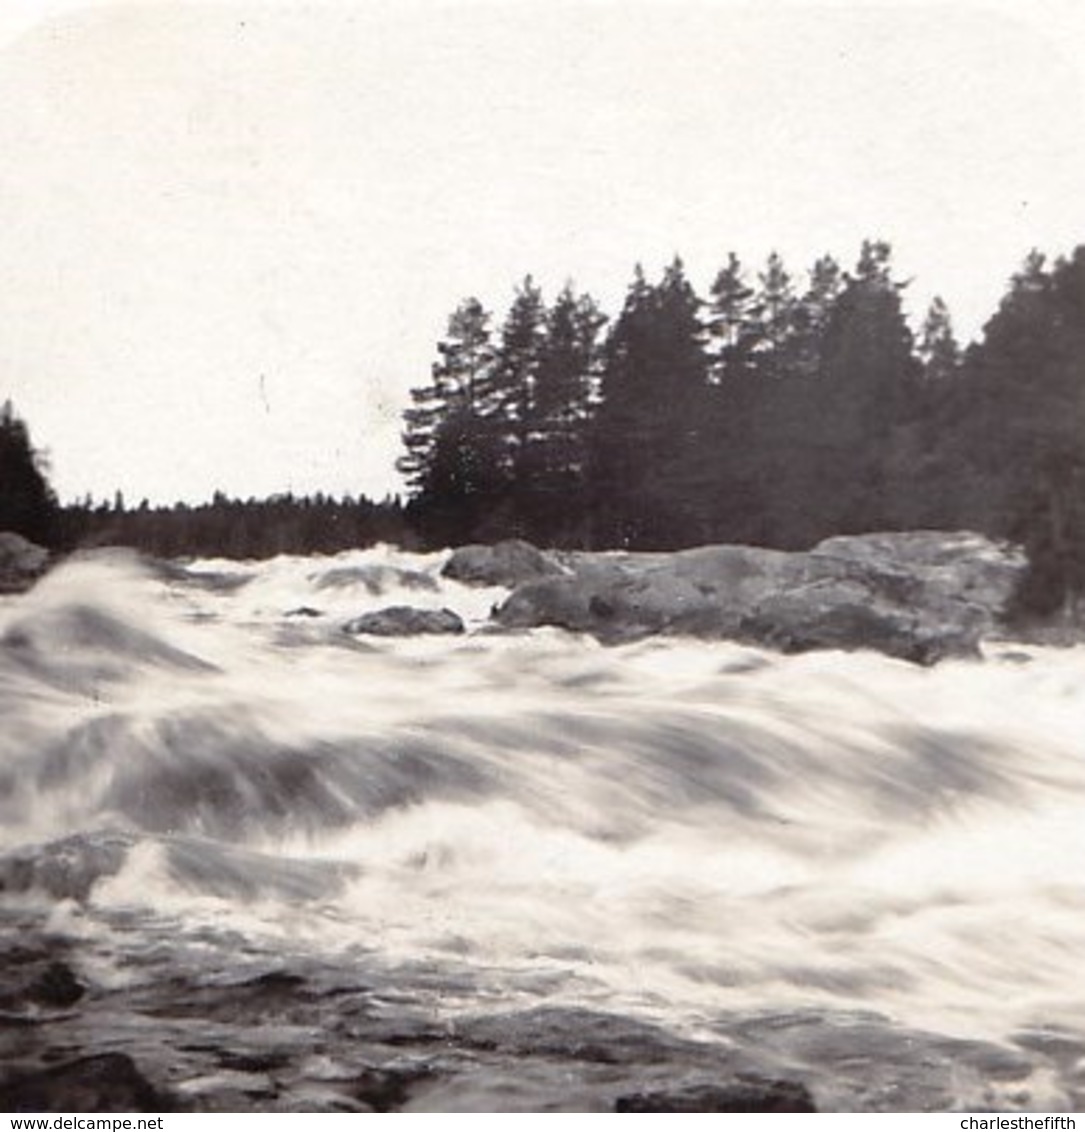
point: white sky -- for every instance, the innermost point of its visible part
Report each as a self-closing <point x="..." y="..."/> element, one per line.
<point x="231" y="235"/>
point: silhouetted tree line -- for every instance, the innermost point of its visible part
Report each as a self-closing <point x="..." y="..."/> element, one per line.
<point x="774" y="411"/>
<point x="231" y="528"/>
<point x="771" y="412"/>
<point x="234" y="528"/>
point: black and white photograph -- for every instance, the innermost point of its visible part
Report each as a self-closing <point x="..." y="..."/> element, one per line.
<point x="542" y="557"/>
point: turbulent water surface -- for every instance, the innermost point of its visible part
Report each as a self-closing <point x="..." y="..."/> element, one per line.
<point x="525" y="870"/>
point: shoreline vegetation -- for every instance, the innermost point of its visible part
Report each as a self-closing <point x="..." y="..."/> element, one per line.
<point x="774" y="413"/>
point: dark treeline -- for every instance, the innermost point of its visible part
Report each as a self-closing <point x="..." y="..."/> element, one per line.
<point x="773" y="411"/>
<point x="234" y="528"/>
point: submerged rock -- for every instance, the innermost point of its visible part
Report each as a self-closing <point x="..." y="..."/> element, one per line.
<point x="377" y="579"/>
<point x="920" y="596"/>
<point x="22" y="562"/>
<point x="506" y="563"/>
<point x="303" y="611"/>
<point x="405" y="621"/>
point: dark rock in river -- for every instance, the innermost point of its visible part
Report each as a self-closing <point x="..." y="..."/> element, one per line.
<point x="56" y="986"/>
<point x="405" y="621"/>
<point x="749" y="1094"/>
<point x="109" y="1082"/>
<point x="919" y="595"/>
<point x="303" y="611"/>
<point x="22" y="562"/>
<point x="508" y="563"/>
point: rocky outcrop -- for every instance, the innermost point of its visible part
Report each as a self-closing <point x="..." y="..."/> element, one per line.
<point x="405" y="621"/>
<point x="920" y="596"/>
<point x="747" y="1094"/>
<point x="22" y="562"/>
<point x="508" y="563"/>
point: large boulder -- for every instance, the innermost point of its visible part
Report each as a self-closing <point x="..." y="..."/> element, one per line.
<point x="829" y="615"/>
<point x="508" y="563"/>
<point x="22" y="562"/>
<point x="933" y="567"/>
<point x="920" y="596"/>
<point x="704" y="592"/>
<point x="405" y="621"/>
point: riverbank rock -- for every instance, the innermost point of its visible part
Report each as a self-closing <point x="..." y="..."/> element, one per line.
<point x="22" y="562"/>
<point x="405" y="621"/>
<point x="920" y="596"/>
<point x="747" y="1094"/>
<point x="507" y="563"/>
<point x="108" y="1082"/>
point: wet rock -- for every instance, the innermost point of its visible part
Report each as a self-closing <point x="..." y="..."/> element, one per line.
<point x="66" y="869"/>
<point x="958" y="566"/>
<point x="748" y="1094"/>
<point x="802" y="622"/>
<point x="56" y="986"/>
<point x="303" y="611"/>
<point x="108" y="1082"/>
<point x="919" y="596"/>
<point x="574" y="1034"/>
<point x="388" y="1089"/>
<point x="22" y="562"/>
<point x="508" y="563"/>
<point x="405" y="621"/>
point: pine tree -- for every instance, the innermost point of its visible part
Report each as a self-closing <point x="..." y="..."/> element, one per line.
<point x="777" y="307"/>
<point x="27" y="503"/>
<point x="1026" y="430"/>
<point x="655" y="371"/>
<point x="866" y="376"/>
<point x="510" y="391"/>
<point x="937" y="346"/>
<point x="733" y="323"/>
<point x="826" y="281"/>
<point x="554" y="460"/>
<point x="452" y="463"/>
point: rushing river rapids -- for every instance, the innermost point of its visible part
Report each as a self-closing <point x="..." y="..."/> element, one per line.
<point x="248" y="834"/>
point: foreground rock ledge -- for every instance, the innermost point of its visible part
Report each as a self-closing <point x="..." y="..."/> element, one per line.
<point x="918" y="595"/>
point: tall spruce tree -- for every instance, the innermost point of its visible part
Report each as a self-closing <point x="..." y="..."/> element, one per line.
<point x="655" y="369"/>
